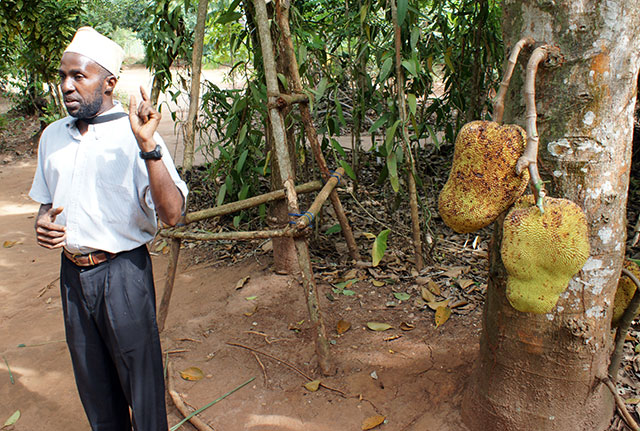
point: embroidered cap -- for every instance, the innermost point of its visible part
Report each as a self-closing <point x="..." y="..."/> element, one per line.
<point x="99" y="48"/>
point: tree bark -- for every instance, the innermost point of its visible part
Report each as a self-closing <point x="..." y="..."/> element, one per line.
<point x="543" y="372"/>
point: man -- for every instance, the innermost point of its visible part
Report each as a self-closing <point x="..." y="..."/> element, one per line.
<point x="102" y="176"/>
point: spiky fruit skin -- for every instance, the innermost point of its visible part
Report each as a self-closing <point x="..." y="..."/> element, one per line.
<point x="542" y="252"/>
<point x="483" y="182"/>
<point x="625" y="291"/>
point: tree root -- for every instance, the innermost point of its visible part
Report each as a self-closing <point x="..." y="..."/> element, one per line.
<point x="623" y="326"/>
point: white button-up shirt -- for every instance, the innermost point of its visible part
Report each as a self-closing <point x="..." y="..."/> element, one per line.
<point x="101" y="182"/>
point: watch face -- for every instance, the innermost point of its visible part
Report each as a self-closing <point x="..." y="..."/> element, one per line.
<point x="152" y="155"/>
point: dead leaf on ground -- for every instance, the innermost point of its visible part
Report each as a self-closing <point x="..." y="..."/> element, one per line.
<point x="632" y="401"/>
<point x="377" y="283"/>
<point x="464" y="282"/>
<point x="9" y="244"/>
<point x="442" y="315"/>
<point x="161" y="245"/>
<point x="372" y="422"/>
<point x="240" y="284"/>
<point x="352" y="273"/>
<point x="427" y="295"/>
<point x="192" y="374"/>
<point x="437" y="304"/>
<point x="434" y="287"/>
<point x="455" y="271"/>
<point x="377" y="326"/>
<point x="407" y="326"/>
<point x="368" y="235"/>
<point x="312" y="386"/>
<point x="342" y="326"/>
<point x="12" y="419"/>
<point x="252" y="312"/>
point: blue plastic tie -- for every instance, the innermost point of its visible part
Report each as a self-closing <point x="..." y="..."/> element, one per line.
<point x="309" y="216"/>
<point x="334" y="174"/>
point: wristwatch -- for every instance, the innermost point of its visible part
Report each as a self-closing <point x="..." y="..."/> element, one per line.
<point x="156" y="154"/>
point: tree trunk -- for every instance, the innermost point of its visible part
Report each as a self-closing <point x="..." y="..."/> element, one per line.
<point x="541" y="372"/>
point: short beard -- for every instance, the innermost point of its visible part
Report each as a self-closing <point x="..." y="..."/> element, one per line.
<point x="90" y="109"/>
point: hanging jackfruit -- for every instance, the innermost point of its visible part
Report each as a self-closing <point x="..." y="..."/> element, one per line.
<point x="625" y="291"/>
<point x="542" y="252"/>
<point x="483" y="182"/>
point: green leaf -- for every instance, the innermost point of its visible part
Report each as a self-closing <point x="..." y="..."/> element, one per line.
<point x="241" y="160"/>
<point x="391" y="132"/>
<point x="401" y="296"/>
<point x="336" y="146"/>
<point x="363" y="13"/>
<point x="410" y="65"/>
<point x="447" y="59"/>
<point x="402" y="11"/>
<point x="379" y="122"/>
<point x="334" y="229"/>
<point x="339" y="110"/>
<point x="348" y="170"/>
<point x="12" y="419"/>
<point x="348" y="292"/>
<point x="221" y="194"/>
<point x="392" y="166"/>
<point x="322" y="87"/>
<point x="377" y="326"/>
<point x="385" y="69"/>
<point x="379" y="247"/>
<point x="413" y="103"/>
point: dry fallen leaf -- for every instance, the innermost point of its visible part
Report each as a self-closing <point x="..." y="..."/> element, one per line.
<point x="632" y="401"/>
<point x="312" y="386"/>
<point x="437" y="304"/>
<point x="427" y="295"/>
<point x="377" y="326"/>
<point x="240" y="284"/>
<point x="442" y="315"/>
<point x="368" y="235"/>
<point x="161" y="245"/>
<point x="465" y="282"/>
<point x="455" y="271"/>
<point x="252" y="312"/>
<point x="372" y="422"/>
<point x="192" y="374"/>
<point x="353" y="273"/>
<point x="342" y="326"/>
<point x="9" y="244"/>
<point x="407" y="326"/>
<point x="378" y="283"/>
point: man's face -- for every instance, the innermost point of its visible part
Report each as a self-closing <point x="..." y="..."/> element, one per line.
<point x="83" y="83"/>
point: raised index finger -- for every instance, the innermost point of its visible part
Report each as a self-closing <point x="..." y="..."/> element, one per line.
<point x="143" y="93"/>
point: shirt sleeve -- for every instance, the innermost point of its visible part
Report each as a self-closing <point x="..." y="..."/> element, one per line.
<point x="168" y="162"/>
<point x="39" y="190"/>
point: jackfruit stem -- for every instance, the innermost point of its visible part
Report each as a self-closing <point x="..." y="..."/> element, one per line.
<point x="498" y="106"/>
<point x="530" y="156"/>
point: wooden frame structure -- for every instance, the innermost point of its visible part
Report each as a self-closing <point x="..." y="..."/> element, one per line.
<point x="298" y="228"/>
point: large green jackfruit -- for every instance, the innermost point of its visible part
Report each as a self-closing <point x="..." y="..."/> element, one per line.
<point x="624" y="293"/>
<point x="483" y="182"/>
<point x="542" y="252"/>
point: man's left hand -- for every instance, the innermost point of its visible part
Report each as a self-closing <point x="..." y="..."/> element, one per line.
<point x="144" y="121"/>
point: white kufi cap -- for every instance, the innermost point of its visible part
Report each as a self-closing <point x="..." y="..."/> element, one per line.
<point x="98" y="48"/>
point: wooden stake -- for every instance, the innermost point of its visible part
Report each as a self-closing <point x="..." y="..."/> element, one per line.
<point x="282" y="14"/>
<point x="402" y="108"/>
<point x="287" y="232"/>
<point x="286" y="174"/>
<point x="314" y="209"/>
<point x="172" y="266"/>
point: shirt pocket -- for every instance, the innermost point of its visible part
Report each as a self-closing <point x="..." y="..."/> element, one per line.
<point x="116" y="202"/>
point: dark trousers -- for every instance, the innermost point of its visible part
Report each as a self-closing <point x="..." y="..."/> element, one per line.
<point x="110" y="322"/>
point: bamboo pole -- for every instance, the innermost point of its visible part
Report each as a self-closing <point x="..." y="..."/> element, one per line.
<point x="402" y="108"/>
<point x="282" y="12"/>
<point x="196" y="69"/>
<point x="315" y="207"/>
<point x="251" y="202"/>
<point x="277" y="123"/>
<point x="234" y="236"/>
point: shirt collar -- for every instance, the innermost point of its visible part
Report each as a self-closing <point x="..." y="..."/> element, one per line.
<point x="71" y="121"/>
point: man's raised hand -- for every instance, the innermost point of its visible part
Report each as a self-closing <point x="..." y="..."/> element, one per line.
<point x="49" y="234"/>
<point x="144" y="121"/>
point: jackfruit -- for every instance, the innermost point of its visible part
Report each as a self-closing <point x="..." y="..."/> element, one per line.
<point x="625" y="291"/>
<point x="483" y="182"/>
<point x="542" y="252"/>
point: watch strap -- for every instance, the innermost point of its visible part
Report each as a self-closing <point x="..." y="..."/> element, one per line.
<point x="155" y="154"/>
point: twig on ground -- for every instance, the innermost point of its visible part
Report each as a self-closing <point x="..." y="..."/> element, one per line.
<point x="285" y="363"/>
<point x="622" y="408"/>
<point x="264" y="371"/>
<point x="47" y="287"/>
<point x="177" y="400"/>
<point x="266" y="337"/>
<point x="170" y="352"/>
